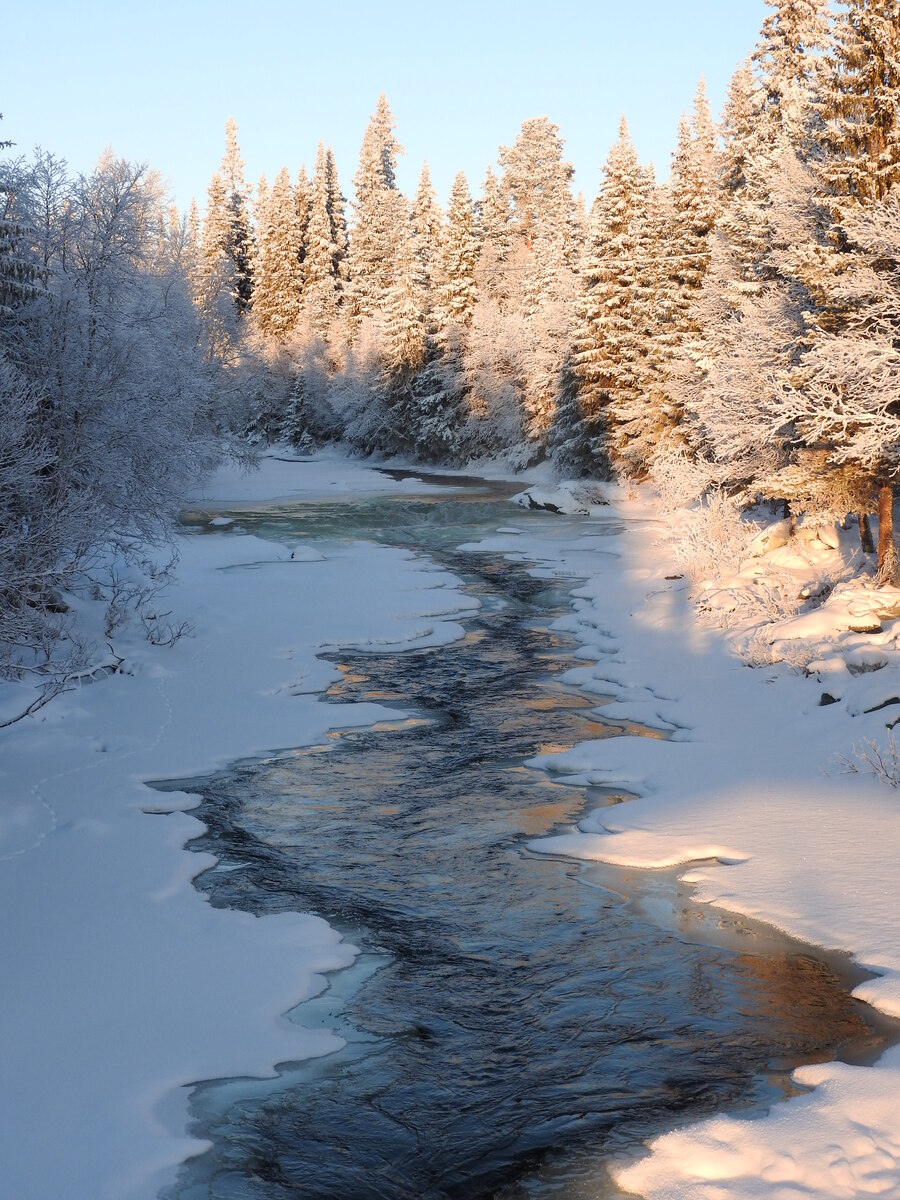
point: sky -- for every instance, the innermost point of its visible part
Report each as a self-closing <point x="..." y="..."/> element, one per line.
<point x="157" y="83"/>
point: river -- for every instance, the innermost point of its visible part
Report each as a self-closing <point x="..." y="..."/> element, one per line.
<point x="513" y="1021"/>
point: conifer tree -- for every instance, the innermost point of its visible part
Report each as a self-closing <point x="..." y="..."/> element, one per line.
<point x="609" y="340"/>
<point x="336" y="204"/>
<point x="404" y="326"/>
<point x="789" y="57"/>
<point x="279" y="277"/>
<point x="380" y="215"/>
<point x="494" y="215"/>
<point x="322" y="264"/>
<point x="17" y="273"/>
<point x="861" y="101"/>
<point x="456" y="293"/>
<point x="536" y="183"/>
<point x="227" y="240"/>
<point x="427" y="230"/>
<point x="303" y="204"/>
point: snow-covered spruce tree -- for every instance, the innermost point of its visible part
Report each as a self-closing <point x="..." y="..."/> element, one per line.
<point x="863" y="135"/>
<point x="227" y="239"/>
<point x="677" y="249"/>
<point x="428" y="232"/>
<point x="17" y="269"/>
<point x="751" y="310"/>
<point x="789" y="56"/>
<point x="380" y="216"/>
<point x="337" y="214"/>
<point x="861" y="167"/>
<point x="303" y="205"/>
<point x="278" y="286"/>
<point x="608" y="361"/>
<point x="526" y="278"/>
<point x="455" y="294"/>
<point x="404" y="348"/>
<point x="325" y="247"/>
<point x="845" y="401"/>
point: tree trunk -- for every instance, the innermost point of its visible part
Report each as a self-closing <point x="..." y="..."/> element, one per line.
<point x="865" y="534"/>
<point x="887" y="551"/>
<point x="790" y="517"/>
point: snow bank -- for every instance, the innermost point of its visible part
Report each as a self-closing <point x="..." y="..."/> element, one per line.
<point x="121" y="984"/>
<point x="737" y="795"/>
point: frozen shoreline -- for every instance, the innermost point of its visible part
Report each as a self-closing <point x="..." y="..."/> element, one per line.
<point x="738" y="798"/>
<point x="123" y="985"/>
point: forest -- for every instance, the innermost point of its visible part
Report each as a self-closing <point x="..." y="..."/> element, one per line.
<point x="728" y="333"/>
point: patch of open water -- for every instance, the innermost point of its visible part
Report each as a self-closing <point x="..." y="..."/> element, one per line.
<point x="513" y="1020"/>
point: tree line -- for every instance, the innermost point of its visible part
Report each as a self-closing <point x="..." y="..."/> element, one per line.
<point x="731" y="328"/>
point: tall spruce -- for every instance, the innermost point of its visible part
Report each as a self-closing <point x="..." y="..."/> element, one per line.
<point x="278" y="291"/>
<point x="324" y="256"/>
<point x="380" y="215"/>
<point x="227" y="239"/>
<point x="455" y="296"/>
<point x="609" y="341"/>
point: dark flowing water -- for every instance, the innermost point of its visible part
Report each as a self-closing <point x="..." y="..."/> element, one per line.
<point x="513" y="1019"/>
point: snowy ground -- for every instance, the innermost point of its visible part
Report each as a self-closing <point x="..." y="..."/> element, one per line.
<point x="122" y="985"/>
<point x="757" y="796"/>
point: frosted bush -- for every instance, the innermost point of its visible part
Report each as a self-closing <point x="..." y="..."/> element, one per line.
<point x="713" y="540"/>
<point x="882" y="762"/>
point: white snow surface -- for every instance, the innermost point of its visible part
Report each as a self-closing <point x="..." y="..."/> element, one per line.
<point x="750" y="794"/>
<point x="121" y="984"/>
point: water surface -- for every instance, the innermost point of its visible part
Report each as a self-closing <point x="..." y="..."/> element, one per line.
<point x="513" y="1019"/>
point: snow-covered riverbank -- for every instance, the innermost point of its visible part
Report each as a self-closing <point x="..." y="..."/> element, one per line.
<point x="121" y="984"/>
<point x="739" y="795"/>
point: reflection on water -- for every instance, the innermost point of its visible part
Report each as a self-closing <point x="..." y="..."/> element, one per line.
<point x="513" y="1019"/>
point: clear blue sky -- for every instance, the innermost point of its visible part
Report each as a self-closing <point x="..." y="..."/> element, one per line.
<point x="157" y="81"/>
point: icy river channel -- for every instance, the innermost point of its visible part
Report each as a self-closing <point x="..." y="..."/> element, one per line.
<point x="514" y="1021"/>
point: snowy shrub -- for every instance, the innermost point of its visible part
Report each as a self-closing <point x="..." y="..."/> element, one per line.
<point x="679" y="477"/>
<point x="882" y="762"/>
<point x="713" y="538"/>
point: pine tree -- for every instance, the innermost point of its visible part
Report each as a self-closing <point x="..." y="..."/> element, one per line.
<point x="303" y="205"/>
<point x="456" y="293"/>
<point x="322" y="265"/>
<point x="427" y="230"/>
<point x="227" y="241"/>
<point x="17" y="273"/>
<point x="380" y="215"/>
<point x="789" y="57"/>
<point x="277" y="295"/>
<point x="610" y="333"/>
<point x="861" y="101"/>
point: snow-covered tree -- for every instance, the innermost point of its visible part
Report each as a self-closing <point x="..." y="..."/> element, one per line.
<point x="323" y="265"/>
<point x="110" y="376"/>
<point x="862" y="93"/>
<point x="380" y="215"/>
<point x="278" y="275"/>
<point x="17" y="270"/>
<point x="789" y="56"/>
<point x="454" y="300"/>
<point x="227" y="239"/>
<point x="428" y="230"/>
<point x="610" y="334"/>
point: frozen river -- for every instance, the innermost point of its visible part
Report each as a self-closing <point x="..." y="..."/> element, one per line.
<point x="513" y="1019"/>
